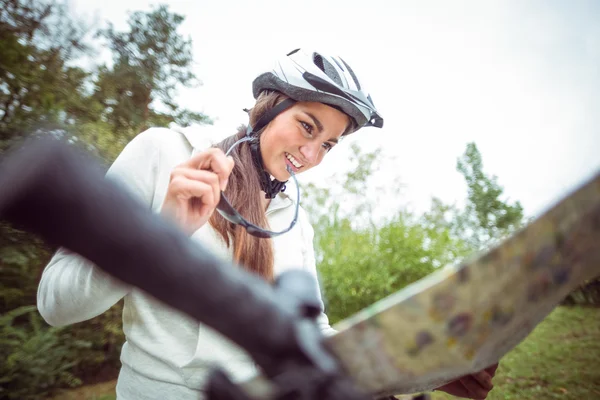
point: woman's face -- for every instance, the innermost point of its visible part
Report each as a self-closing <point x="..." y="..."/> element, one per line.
<point x="300" y="137"/>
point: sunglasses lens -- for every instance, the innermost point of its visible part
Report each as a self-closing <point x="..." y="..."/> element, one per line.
<point x="259" y="232"/>
<point x="227" y="211"/>
<point x="226" y="216"/>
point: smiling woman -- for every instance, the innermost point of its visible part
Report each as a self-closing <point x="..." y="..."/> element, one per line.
<point x="298" y="138"/>
<point x="303" y="107"/>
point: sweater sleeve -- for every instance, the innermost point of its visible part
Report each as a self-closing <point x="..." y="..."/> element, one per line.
<point x="71" y="288"/>
<point x="310" y="265"/>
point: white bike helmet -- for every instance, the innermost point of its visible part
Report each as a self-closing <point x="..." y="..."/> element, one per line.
<point x="312" y="76"/>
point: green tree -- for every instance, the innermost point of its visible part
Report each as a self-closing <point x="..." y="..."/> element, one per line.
<point x="151" y="60"/>
<point x="41" y="88"/>
<point x="362" y="260"/>
<point x="353" y="186"/>
<point x="38" y="39"/>
<point x="486" y="218"/>
<point x="440" y="223"/>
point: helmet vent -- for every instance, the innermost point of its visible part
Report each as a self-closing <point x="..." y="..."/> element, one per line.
<point x="352" y="73"/>
<point x="328" y="69"/>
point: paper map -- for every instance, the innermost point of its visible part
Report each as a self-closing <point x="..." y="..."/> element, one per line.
<point x="465" y="317"/>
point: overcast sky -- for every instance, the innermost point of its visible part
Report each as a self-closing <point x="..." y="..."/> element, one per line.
<point x="519" y="78"/>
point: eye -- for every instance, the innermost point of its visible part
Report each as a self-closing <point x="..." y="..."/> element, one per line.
<point x="327" y="146"/>
<point x="307" y="127"/>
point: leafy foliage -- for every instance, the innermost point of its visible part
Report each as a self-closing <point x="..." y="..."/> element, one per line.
<point x="21" y="255"/>
<point x="36" y="358"/>
<point x="150" y="61"/>
<point x="486" y="218"/>
<point x="362" y="261"/>
<point x="361" y="266"/>
<point x="37" y="40"/>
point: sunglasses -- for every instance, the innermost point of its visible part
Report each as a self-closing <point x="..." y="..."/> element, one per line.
<point x="230" y="214"/>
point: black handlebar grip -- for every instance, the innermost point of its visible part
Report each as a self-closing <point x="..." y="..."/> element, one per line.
<point x="53" y="190"/>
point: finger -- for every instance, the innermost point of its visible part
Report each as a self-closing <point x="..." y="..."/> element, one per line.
<point x="199" y="158"/>
<point x="202" y="208"/>
<point x="200" y="175"/>
<point x="484" y="379"/>
<point x="474" y="389"/>
<point x="455" y="388"/>
<point x="231" y="164"/>
<point x="492" y="369"/>
<point x="186" y="189"/>
<point x="220" y="165"/>
<point x="214" y="160"/>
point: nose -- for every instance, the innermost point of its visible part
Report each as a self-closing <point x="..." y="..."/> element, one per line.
<point x="311" y="152"/>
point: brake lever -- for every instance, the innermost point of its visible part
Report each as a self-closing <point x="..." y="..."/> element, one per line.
<point x="321" y="378"/>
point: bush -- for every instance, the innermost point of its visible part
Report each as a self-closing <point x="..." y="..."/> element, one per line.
<point x="22" y="258"/>
<point x="37" y="358"/>
<point x="363" y="265"/>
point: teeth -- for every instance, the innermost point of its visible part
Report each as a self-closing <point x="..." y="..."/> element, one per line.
<point x="293" y="160"/>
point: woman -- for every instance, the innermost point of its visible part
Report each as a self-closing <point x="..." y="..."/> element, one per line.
<point x="303" y="108"/>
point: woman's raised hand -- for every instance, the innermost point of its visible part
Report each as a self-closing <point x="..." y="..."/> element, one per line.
<point x="195" y="188"/>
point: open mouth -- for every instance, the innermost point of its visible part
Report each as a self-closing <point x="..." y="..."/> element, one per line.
<point x="294" y="163"/>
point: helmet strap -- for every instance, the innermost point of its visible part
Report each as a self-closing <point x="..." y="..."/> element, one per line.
<point x="270" y="186"/>
<point x="269" y="116"/>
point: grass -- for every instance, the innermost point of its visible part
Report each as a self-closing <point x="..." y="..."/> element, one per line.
<point x="99" y="391"/>
<point x="559" y="360"/>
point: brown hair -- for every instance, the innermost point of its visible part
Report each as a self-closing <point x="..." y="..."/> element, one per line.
<point x="244" y="193"/>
